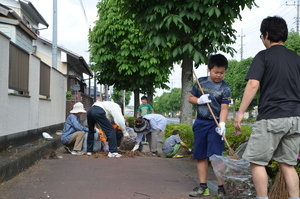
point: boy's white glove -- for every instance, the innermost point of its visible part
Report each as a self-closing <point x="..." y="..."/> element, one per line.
<point x="204" y="99"/>
<point x="135" y="147"/>
<point x="222" y="130"/>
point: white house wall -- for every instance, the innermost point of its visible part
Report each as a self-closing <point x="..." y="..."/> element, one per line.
<point x="21" y="113"/>
<point x="45" y="53"/>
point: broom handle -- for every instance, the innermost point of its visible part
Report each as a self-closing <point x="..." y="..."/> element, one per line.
<point x="212" y="113"/>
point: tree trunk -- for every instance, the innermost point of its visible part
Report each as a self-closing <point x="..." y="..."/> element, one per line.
<point x="187" y="83"/>
<point x="234" y="109"/>
<point x="136" y="101"/>
<point x="150" y="97"/>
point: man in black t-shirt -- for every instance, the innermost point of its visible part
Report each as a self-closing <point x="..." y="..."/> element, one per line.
<point x="276" y="133"/>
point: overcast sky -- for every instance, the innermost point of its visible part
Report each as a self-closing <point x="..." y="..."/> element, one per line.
<point x="74" y="21"/>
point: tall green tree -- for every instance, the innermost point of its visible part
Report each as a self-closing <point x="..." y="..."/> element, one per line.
<point x="230" y="79"/>
<point x="190" y="29"/>
<point x="118" y="96"/>
<point x="235" y="77"/>
<point x="293" y="41"/>
<point x="168" y="102"/>
<point x="118" y="54"/>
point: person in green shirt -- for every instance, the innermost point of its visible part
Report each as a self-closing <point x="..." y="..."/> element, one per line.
<point x="144" y="109"/>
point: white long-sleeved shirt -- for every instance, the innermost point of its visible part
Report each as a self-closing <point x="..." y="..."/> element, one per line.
<point x="113" y="110"/>
<point x="157" y="121"/>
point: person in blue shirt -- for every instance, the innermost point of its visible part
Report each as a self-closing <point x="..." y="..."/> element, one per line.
<point x="73" y="132"/>
<point x="207" y="140"/>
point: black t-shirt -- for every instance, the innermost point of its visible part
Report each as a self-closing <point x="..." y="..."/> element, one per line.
<point x="278" y="71"/>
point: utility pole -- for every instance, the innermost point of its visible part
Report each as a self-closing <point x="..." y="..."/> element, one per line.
<point x="242" y="45"/>
<point x="297" y="19"/>
<point x="54" y="35"/>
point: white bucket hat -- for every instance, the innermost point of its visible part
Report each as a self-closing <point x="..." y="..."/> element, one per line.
<point x="78" y="108"/>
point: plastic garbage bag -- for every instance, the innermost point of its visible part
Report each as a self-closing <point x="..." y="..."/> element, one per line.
<point x="235" y="174"/>
<point x="47" y="136"/>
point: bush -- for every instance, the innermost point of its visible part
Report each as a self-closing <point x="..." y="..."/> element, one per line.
<point x="186" y="133"/>
<point x="130" y="120"/>
<point x="236" y="138"/>
<point x="273" y="168"/>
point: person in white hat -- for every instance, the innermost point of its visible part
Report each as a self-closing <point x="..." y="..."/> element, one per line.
<point x="73" y="132"/>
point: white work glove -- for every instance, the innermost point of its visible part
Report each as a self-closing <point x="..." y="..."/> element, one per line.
<point x="135" y="147"/>
<point x="222" y="130"/>
<point x="204" y="99"/>
<point x="125" y="134"/>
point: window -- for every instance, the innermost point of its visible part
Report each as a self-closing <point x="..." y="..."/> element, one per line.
<point x="45" y="80"/>
<point x="18" y="70"/>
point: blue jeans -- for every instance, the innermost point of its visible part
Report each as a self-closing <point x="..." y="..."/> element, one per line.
<point x="95" y="115"/>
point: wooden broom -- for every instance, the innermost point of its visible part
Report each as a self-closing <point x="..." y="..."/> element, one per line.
<point x="279" y="189"/>
<point x="232" y="153"/>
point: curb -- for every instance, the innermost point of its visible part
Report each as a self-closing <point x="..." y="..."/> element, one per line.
<point x="17" y="159"/>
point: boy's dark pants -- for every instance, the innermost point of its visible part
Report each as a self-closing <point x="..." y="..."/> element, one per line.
<point x="95" y="115"/>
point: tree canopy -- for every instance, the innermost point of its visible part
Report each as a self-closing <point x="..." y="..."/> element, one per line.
<point x="293" y="42"/>
<point x="118" y="54"/>
<point x="190" y="29"/>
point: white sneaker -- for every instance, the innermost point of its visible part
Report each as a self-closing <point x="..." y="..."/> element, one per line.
<point x="74" y="152"/>
<point x="114" y="155"/>
<point x="89" y="153"/>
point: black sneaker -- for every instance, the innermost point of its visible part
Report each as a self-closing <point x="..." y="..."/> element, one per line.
<point x="68" y="149"/>
<point x="222" y="194"/>
<point x="199" y="191"/>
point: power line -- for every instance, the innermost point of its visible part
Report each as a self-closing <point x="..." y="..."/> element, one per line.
<point x="83" y="10"/>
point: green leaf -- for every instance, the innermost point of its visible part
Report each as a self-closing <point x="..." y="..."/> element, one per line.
<point x="217" y="11"/>
<point x="157" y="41"/>
<point x="211" y="11"/>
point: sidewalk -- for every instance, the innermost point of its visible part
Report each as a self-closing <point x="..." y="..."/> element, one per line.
<point x="91" y="177"/>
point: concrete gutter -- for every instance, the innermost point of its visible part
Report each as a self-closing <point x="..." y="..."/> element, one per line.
<point x="17" y="159"/>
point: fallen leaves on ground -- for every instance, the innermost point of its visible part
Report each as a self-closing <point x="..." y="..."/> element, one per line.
<point x="125" y="154"/>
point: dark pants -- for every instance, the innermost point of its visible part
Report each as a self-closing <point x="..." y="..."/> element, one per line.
<point x="119" y="137"/>
<point x="95" y="115"/>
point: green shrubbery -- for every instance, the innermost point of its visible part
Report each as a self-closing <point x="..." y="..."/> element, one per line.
<point x="237" y="138"/>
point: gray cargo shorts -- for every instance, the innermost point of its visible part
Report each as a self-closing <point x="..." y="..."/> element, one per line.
<point x="276" y="139"/>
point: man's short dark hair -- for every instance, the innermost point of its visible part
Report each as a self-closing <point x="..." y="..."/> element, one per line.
<point x="275" y="27"/>
<point x="144" y="97"/>
<point x="175" y="132"/>
<point x="217" y="60"/>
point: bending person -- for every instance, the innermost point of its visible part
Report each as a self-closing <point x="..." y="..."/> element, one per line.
<point x="150" y="125"/>
<point x="102" y="113"/>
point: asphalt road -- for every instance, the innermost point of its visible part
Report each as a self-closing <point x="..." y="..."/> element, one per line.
<point x="77" y="177"/>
